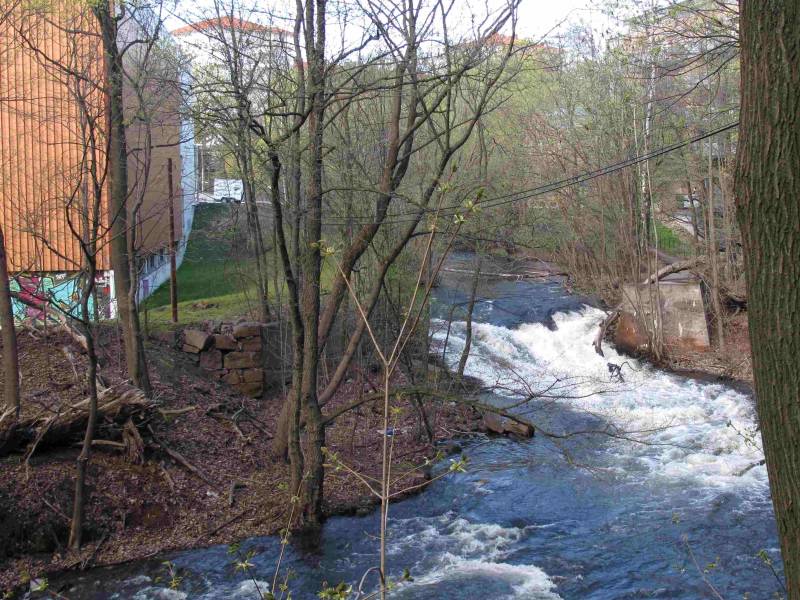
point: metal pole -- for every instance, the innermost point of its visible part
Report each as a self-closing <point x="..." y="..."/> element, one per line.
<point x="173" y="269"/>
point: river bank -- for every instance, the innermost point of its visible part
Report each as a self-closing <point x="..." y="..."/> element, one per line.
<point x="733" y="364"/>
<point x="485" y="525"/>
<point x="238" y="490"/>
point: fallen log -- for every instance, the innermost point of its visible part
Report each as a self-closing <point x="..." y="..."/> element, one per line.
<point x="676" y="267"/>
<point x="116" y="404"/>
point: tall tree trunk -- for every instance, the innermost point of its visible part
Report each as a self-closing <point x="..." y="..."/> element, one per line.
<point x="118" y="210"/>
<point x="694" y="217"/>
<point x="287" y="436"/>
<point x="727" y="213"/>
<point x="286" y="443"/>
<point x="462" y="362"/>
<point x="312" y="487"/>
<point x="713" y="254"/>
<point x="79" y="504"/>
<point x="768" y="189"/>
<point x="11" y="395"/>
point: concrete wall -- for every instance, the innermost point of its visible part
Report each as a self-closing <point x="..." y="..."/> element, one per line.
<point x="682" y="310"/>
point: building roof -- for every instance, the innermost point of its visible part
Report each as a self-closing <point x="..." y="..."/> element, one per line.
<point x="226" y="23"/>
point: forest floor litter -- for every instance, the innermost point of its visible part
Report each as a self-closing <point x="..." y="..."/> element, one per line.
<point x="207" y="474"/>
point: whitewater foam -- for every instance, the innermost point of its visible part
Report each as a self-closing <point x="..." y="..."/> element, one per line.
<point x="526" y="581"/>
<point x="159" y="593"/>
<point x="685" y="428"/>
<point x="465" y="549"/>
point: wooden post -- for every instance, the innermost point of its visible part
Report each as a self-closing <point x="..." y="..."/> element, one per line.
<point x="173" y="270"/>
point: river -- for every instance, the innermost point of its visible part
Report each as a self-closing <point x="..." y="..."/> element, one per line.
<point x="661" y="501"/>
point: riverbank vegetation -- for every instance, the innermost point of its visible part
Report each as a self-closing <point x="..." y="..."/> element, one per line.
<point x="200" y="474"/>
<point x="371" y="140"/>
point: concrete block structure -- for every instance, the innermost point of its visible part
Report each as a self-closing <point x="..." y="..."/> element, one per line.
<point x="683" y="315"/>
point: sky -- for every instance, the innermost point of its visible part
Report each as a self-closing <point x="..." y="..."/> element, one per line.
<point x="539" y="17"/>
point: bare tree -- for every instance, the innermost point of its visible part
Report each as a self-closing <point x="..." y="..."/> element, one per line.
<point x="426" y="102"/>
<point x="237" y="80"/>
<point x="94" y="136"/>
<point x="418" y="102"/>
<point x="74" y="71"/>
<point x="108" y="16"/>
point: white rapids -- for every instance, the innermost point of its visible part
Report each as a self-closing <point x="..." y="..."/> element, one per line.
<point x="466" y="550"/>
<point x="672" y="427"/>
<point x="671" y="439"/>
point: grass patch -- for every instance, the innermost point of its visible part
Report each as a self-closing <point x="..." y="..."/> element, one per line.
<point x="671" y="243"/>
<point x="213" y="280"/>
<point x="217" y="279"/>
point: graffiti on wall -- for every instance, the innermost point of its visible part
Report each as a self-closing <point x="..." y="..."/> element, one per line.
<point x="46" y="296"/>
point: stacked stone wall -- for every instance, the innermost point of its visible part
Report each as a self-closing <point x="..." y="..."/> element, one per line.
<point x="240" y="354"/>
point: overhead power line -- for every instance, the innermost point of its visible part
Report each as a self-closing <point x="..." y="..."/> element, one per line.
<point x="527" y="194"/>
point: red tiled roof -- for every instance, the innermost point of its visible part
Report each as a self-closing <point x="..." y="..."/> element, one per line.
<point x="226" y="23"/>
<point x="498" y="39"/>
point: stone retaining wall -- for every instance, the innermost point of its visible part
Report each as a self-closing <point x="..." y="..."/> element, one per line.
<point x="245" y="355"/>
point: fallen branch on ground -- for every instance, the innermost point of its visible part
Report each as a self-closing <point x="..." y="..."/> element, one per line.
<point x="219" y="527"/>
<point x="180" y="459"/>
<point x="116" y="404"/>
<point x="172" y="412"/>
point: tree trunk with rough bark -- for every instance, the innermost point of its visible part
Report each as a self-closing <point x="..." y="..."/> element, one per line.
<point x="79" y="504"/>
<point x="462" y="362"/>
<point x="135" y="359"/>
<point x="311" y="489"/>
<point x="768" y="199"/>
<point x="287" y="436"/>
<point x="695" y="220"/>
<point x="286" y="443"/>
<point x="11" y="395"/>
<point x="713" y="255"/>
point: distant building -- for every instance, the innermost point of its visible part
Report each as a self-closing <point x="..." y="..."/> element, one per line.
<point x="48" y="116"/>
<point x="204" y="44"/>
<point x="204" y="40"/>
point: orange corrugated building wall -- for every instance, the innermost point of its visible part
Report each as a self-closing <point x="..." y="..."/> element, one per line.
<point x="41" y="151"/>
<point x="47" y="71"/>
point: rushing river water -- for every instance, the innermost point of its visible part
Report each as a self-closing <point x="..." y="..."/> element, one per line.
<point x="662" y="501"/>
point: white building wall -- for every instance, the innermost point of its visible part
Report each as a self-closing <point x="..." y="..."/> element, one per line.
<point x="154" y="276"/>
